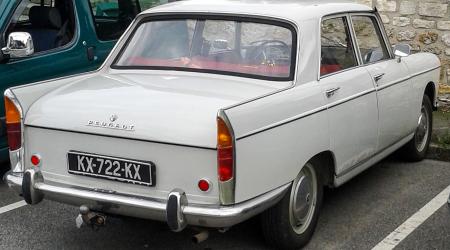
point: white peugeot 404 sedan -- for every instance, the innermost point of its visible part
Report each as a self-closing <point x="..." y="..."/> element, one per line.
<point x="210" y="112"/>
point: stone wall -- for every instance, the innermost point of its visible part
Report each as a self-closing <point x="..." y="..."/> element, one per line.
<point x="423" y="24"/>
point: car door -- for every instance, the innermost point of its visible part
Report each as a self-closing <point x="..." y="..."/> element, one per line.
<point x="58" y="49"/>
<point x="351" y="96"/>
<point x="389" y="77"/>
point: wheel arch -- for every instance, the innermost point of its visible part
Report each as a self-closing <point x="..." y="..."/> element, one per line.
<point x="430" y="91"/>
<point x="327" y="167"/>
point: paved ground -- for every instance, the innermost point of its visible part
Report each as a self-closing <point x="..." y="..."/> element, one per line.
<point x="357" y="215"/>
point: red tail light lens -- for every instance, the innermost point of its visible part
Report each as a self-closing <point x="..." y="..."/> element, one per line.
<point x="225" y="151"/>
<point x="13" y="125"/>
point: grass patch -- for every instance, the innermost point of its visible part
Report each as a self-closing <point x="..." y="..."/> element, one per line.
<point x="441" y="129"/>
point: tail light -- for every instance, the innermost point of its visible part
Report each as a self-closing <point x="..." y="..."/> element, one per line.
<point x="225" y="151"/>
<point x="13" y="124"/>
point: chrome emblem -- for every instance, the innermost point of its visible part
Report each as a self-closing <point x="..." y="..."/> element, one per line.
<point x="113" y="118"/>
<point x="112" y="124"/>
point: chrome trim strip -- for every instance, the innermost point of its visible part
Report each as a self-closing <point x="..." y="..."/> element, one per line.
<point x="122" y="137"/>
<point x="306" y="114"/>
<point x="384" y="86"/>
<point x="331" y="105"/>
<point x="214" y="216"/>
<point x="350" y="169"/>
<point x="350" y="98"/>
<point x="286" y="121"/>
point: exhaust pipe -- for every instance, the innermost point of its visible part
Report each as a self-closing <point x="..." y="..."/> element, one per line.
<point x="89" y="218"/>
<point x="200" y="237"/>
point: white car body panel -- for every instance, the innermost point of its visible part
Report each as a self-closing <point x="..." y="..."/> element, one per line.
<point x="278" y="126"/>
<point x="353" y="117"/>
<point x="171" y="108"/>
<point x="182" y="168"/>
<point x="390" y="106"/>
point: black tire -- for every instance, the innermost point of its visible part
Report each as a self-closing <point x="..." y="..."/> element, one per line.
<point x="411" y="151"/>
<point x="276" y="221"/>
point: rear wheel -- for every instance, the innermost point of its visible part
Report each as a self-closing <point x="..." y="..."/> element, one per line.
<point x="417" y="148"/>
<point x="291" y="223"/>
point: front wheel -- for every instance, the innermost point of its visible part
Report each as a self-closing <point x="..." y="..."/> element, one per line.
<point x="416" y="149"/>
<point x="291" y="223"/>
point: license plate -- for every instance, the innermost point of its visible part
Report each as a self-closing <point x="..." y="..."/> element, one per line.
<point x="112" y="168"/>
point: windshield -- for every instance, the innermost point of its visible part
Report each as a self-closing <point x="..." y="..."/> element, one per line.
<point x="251" y="49"/>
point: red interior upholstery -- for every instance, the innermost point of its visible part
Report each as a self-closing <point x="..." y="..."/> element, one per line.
<point x="329" y="68"/>
<point x="206" y="63"/>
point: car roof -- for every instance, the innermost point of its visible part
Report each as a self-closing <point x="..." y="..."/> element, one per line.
<point x="293" y="10"/>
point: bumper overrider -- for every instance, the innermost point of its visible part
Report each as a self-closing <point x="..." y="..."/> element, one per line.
<point x="176" y="210"/>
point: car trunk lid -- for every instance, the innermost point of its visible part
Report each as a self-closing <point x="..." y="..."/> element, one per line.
<point x="169" y="108"/>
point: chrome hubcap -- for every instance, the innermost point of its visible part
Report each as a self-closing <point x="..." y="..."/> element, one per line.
<point x="422" y="131"/>
<point x="303" y="199"/>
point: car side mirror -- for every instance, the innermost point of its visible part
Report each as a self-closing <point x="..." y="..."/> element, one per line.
<point x="402" y="50"/>
<point x="18" y="45"/>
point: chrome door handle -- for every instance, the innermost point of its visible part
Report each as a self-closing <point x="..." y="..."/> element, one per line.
<point x="378" y="77"/>
<point x="331" y="92"/>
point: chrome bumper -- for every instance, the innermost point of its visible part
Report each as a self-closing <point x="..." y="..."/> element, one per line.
<point x="176" y="210"/>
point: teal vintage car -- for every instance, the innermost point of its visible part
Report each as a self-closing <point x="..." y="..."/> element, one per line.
<point x="44" y="39"/>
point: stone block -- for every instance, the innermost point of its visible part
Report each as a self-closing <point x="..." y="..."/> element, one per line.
<point x="406" y="35"/>
<point x="433" y="9"/>
<point x="423" y="24"/>
<point x="401" y="21"/>
<point x="443" y="25"/>
<point x="386" y="5"/>
<point x="385" y="18"/>
<point x="407" y="8"/>
<point x="447" y="52"/>
<point x="365" y="2"/>
<point x="446" y="39"/>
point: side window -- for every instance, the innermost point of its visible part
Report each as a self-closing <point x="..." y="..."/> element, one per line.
<point x="51" y="23"/>
<point x="369" y="38"/>
<point x="112" y="17"/>
<point x="337" y="49"/>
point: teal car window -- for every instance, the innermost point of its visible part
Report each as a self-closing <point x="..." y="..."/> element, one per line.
<point x="112" y="17"/>
<point x="51" y="24"/>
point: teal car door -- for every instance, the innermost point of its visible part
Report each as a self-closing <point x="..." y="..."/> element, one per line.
<point x="59" y="46"/>
<point x="112" y="17"/>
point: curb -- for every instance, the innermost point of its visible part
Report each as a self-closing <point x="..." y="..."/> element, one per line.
<point x="438" y="153"/>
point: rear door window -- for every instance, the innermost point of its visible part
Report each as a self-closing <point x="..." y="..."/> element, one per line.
<point x="337" y="50"/>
